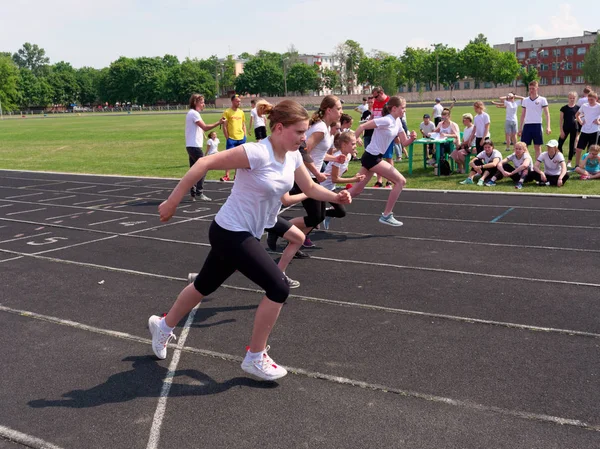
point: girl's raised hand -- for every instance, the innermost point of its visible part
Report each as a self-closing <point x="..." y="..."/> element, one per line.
<point x="166" y="210"/>
<point x="344" y="197"/>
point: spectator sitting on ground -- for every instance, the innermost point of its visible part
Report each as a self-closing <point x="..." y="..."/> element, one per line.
<point x="468" y="144"/>
<point x="522" y="170"/>
<point x="555" y="167"/>
<point x="589" y="167"/>
<point x="484" y="165"/>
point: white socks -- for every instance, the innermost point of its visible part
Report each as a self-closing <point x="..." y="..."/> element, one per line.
<point x="253" y="356"/>
<point x="162" y="325"/>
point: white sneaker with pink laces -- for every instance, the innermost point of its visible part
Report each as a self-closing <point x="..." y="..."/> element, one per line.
<point x="264" y="367"/>
<point x="160" y="340"/>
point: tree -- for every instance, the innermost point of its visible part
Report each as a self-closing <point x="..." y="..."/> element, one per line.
<point x="63" y="80"/>
<point x="330" y="79"/>
<point x="33" y="91"/>
<point x="188" y="78"/>
<point x="31" y="57"/>
<point x="369" y="70"/>
<point x="527" y="76"/>
<point x="480" y="39"/>
<point x="348" y="55"/>
<point x="505" y="67"/>
<point x="150" y="79"/>
<point x="591" y="64"/>
<point x="228" y="74"/>
<point x="245" y="55"/>
<point x="389" y="74"/>
<point x="477" y="61"/>
<point x="413" y="63"/>
<point x="120" y="80"/>
<point x="9" y="78"/>
<point x="445" y="61"/>
<point x="260" y="76"/>
<point x="88" y="85"/>
<point x="302" y="78"/>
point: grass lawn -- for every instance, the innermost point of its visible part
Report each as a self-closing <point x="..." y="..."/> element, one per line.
<point x="153" y="145"/>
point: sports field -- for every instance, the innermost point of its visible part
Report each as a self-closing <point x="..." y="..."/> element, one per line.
<point x="153" y="145"/>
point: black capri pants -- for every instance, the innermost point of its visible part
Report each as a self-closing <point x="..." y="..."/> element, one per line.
<point x="479" y="162"/>
<point x="195" y="153"/>
<point x="241" y="251"/>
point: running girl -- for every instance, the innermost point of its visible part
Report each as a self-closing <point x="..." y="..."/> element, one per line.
<point x="267" y="170"/>
<point x="386" y="129"/>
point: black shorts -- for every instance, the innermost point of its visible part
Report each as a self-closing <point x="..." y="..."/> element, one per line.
<point x="369" y="161"/>
<point x="260" y="132"/>
<point x="586" y="140"/>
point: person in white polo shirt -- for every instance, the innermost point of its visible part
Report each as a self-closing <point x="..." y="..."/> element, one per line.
<point x="530" y="129"/>
<point x="260" y="130"/>
<point x="194" y="138"/>
<point x="511" y="103"/>
<point x="555" y="167"/>
<point x="588" y="116"/>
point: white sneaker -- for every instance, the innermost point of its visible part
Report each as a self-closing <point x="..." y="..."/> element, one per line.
<point x="160" y="340"/>
<point x="264" y="368"/>
<point x="192" y="277"/>
<point x="389" y="220"/>
<point x="291" y="282"/>
<point x="569" y="165"/>
<point x="326" y="222"/>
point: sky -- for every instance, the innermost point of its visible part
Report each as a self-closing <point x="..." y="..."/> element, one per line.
<point x="95" y="33"/>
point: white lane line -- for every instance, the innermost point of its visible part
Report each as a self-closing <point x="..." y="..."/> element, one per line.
<point x="129" y="181"/>
<point x="74" y="214"/>
<point x="26" y="237"/>
<point x="12" y="258"/>
<point x="53" y="183"/>
<point x="149" y="193"/>
<point x="91" y="201"/>
<point x="107" y="221"/>
<point x="59" y="198"/>
<point x="312" y="374"/>
<point x="24" y="439"/>
<point x="76" y="244"/>
<point x="26" y="211"/>
<point x="22" y="196"/>
<point x="161" y="407"/>
<point x="113" y="190"/>
<point x="6" y="205"/>
<point x="82" y="188"/>
<point x="320" y="300"/>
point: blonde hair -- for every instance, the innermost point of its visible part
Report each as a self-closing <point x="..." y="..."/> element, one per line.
<point x="342" y="138"/>
<point x="575" y="94"/>
<point x="594" y="149"/>
<point x="194" y="99"/>
<point x="534" y="83"/>
<point x="327" y="103"/>
<point x="287" y="112"/>
<point x="479" y="105"/>
<point x="468" y="116"/>
<point x="522" y="145"/>
<point x="592" y="94"/>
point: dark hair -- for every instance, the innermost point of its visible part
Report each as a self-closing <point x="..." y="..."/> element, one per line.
<point x="364" y="98"/>
<point x="194" y="99"/>
<point x="234" y="96"/>
<point x="345" y="118"/>
<point x="327" y="103"/>
<point x="253" y="101"/>
<point x="286" y="112"/>
<point x="487" y="141"/>
<point x="393" y="101"/>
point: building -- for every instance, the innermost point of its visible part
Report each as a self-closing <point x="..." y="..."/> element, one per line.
<point x="326" y="62"/>
<point x="558" y="60"/>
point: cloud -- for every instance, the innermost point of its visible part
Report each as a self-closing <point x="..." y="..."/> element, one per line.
<point x="561" y="25"/>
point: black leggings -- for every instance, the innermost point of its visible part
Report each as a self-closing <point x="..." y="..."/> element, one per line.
<point x="241" y="251"/>
<point x="527" y="174"/>
<point x="479" y="162"/>
<point x="552" y="179"/>
<point x="315" y="210"/>
<point x="337" y="211"/>
<point x="571" y="134"/>
<point x="281" y="227"/>
<point x="194" y="154"/>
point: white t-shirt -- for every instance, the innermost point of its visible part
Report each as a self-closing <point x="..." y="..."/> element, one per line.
<point x="387" y="129"/>
<point x="255" y="198"/>
<point x="362" y="108"/>
<point x="551" y="165"/>
<point x="437" y="110"/>
<point x="194" y="136"/>
<point x="480" y="121"/>
<point x="467" y="134"/>
<point x="320" y="150"/>
<point x="582" y="101"/>
<point x="511" y="110"/>
<point x="525" y="160"/>
<point x="256" y="120"/>
<point x="533" y="110"/>
<point x="590" y="113"/>
<point x="487" y="159"/>
<point x="213" y="145"/>
<point x="343" y="168"/>
<point x="426" y="129"/>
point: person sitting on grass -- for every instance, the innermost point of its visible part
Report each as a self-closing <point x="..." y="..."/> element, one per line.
<point x="522" y="170"/>
<point x="555" y="167"/>
<point x="447" y="129"/>
<point x="589" y="167"/>
<point x="484" y="165"/>
<point x="468" y="144"/>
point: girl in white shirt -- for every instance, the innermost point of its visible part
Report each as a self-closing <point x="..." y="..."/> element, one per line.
<point x="212" y="144"/>
<point x="522" y="170"/>
<point x="484" y="164"/>
<point x="555" y="167"/>
<point x="482" y="125"/>
<point x="588" y="116"/>
<point x="386" y="129"/>
<point x="266" y="171"/>
<point x="466" y="147"/>
<point x="511" y="103"/>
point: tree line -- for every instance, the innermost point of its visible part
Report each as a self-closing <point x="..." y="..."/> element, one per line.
<point x="27" y="79"/>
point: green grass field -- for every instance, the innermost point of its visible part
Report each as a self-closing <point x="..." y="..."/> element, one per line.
<point x="153" y="145"/>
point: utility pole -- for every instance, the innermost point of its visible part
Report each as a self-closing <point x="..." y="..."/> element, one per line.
<point x="285" y="77"/>
<point x="556" y="50"/>
<point x="437" y="67"/>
